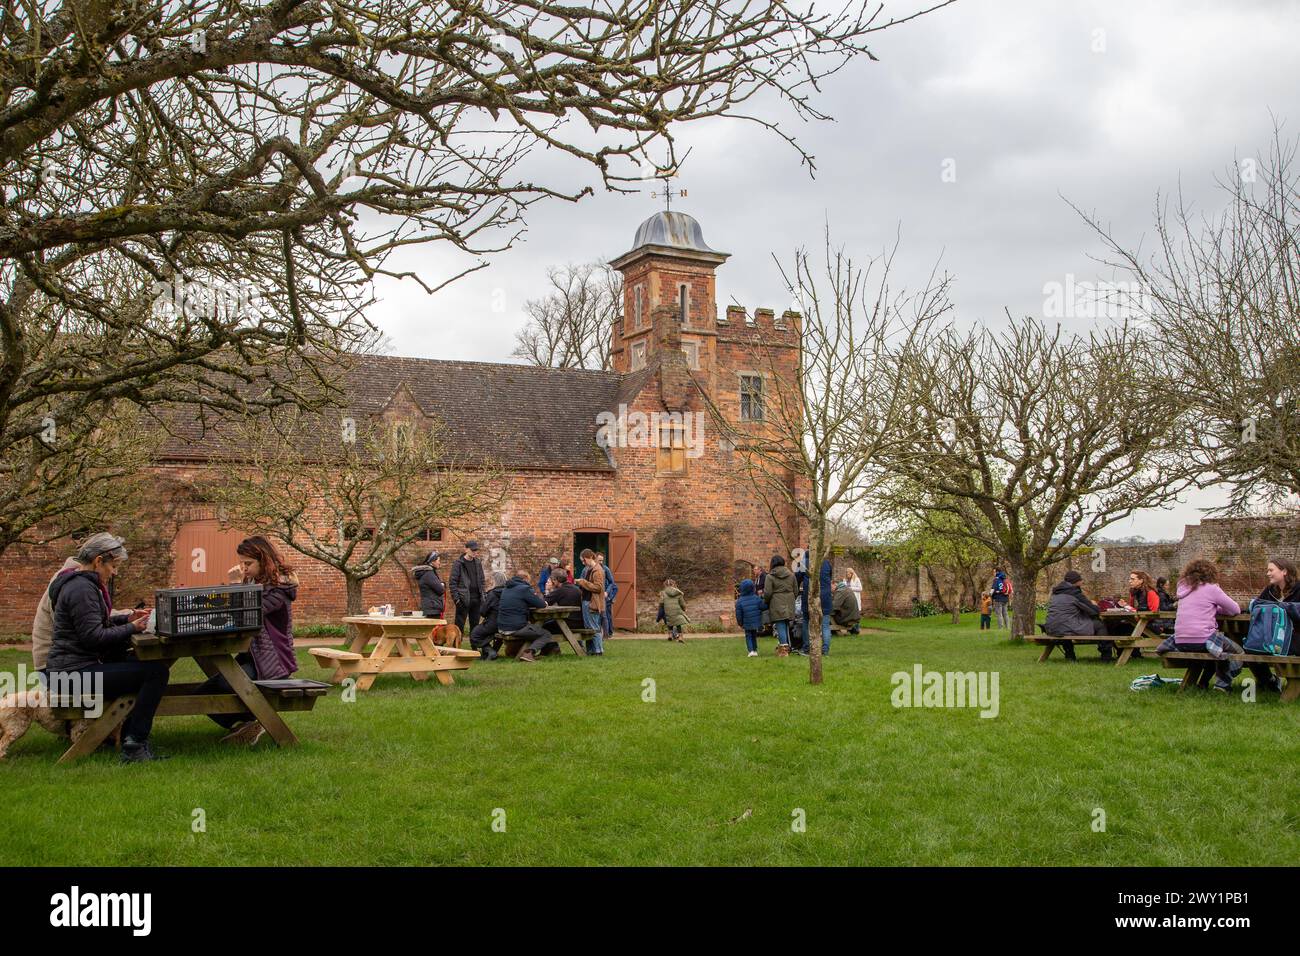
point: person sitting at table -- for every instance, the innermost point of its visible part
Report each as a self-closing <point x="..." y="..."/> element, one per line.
<point x="1283" y="588"/>
<point x="1141" y="597"/>
<point x="433" y="602"/>
<point x="485" y="630"/>
<point x="271" y="655"/>
<point x="564" y="593"/>
<point x="90" y="648"/>
<point x="1071" y="614"/>
<point x="544" y="578"/>
<point x="844" y="607"/>
<point x="1167" y="601"/>
<point x="512" y="617"/>
<point x="1200" y="602"/>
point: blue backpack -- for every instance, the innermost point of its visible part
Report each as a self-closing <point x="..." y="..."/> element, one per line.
<point x="1270" y="629"/>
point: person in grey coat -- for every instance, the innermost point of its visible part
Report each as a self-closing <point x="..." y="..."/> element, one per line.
<point x="778" y="592"/>
<point x="1071" y="614"/>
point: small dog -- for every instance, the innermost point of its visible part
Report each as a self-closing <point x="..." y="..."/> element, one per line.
<point x="17" y="711"/>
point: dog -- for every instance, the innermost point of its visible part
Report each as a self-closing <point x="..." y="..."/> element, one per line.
<point x="18" y="710"/>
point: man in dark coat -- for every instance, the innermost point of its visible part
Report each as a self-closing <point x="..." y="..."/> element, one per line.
<point x="1070" y="613"/>
<point x="482" y="635"/>
<point x="432" y="602"/>
<point x="844" y="608"/>
<point x="565" y="593"/>
<point x="778" y="593"/>
<point x="512" y="616"/>
<point x="467" y="584"/>
<point x="825" y="596"/>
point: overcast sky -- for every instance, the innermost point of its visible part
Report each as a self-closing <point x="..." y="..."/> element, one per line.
<point x="1027" y="103"/>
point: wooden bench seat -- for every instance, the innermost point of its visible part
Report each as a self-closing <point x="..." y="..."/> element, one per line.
<point x="323" y="654"/>
<point x="513" y="646"/>
<point x="1199" y="669"/>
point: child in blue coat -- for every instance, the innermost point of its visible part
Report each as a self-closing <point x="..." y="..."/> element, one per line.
<point x="749" y="615"/>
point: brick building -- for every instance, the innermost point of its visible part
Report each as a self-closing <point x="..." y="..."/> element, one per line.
<point x="589" y="464"/>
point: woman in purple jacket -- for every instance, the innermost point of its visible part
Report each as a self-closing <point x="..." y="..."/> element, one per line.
<point x="1196" y="628"/>
<point x="271" y="655"/>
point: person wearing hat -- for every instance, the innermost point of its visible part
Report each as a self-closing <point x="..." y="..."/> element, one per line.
<point x="1071" y="614"/>
<point x="551" y="566"/>
<point x="90" y="647"/>
<point x="467" y="584"/>
<point x="432" y="590"/>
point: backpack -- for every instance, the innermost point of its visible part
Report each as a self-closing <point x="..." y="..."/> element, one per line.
<point x="1000" y="584"/>
<point x="1270" y="629"/>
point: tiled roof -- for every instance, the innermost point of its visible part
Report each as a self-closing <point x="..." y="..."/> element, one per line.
<point x="521" y="416"/>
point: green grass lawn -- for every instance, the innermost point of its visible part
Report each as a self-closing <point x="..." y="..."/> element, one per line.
<point x="711" y="772"/>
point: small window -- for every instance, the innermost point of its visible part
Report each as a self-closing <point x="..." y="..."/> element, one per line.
<point x="683" y="303"/>
<point x="751" y="398"/>
<point x="671" y="458"/>
<point x="637" y="307"/>
<point x="350" y="533"/>
<point x="638" y="355"/>
<point x="692" y="350"/>
<point x="431" y="534"/>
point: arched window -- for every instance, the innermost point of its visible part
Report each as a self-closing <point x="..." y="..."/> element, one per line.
<point x="636" y="306"/>
<point x="681" y="303"/>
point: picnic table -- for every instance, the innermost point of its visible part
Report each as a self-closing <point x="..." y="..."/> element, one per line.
<point x="404" y="644"/>
<point x="1126" y="644"/>
<point x="1199" y="667"/>
<point x="559" y="613"/>
<point x="260" y="700"/>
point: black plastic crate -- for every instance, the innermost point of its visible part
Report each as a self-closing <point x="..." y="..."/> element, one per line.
<point x="204" y="612"/>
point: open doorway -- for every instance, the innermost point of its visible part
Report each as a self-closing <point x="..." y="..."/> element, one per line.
<point x="619" y="548"/>
<point x="598" y="541"/>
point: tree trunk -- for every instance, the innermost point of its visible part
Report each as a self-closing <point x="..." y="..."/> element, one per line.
<point x="957" y="588"/>
<point x="813" y="612"/>
<point x="1023" y="601"/>
<point x="936" y="589"/>
<point x="882" y="602"/>
<point x="356" y="601"/>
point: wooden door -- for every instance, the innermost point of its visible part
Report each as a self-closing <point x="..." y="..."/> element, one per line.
<point x="204" y="553"/>
<point x="622" y="562"/>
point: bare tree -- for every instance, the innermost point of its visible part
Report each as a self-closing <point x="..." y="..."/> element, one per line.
<point x="1035" y="440"/>
<point x="196" y="196"/>
<point x="1223" y="295"/>
<point x="573" y="327"/>
<point x="834" y="415"/>
<point x="352" y="501"/>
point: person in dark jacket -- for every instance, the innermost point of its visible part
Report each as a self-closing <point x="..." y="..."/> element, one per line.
<point x="481" y="637"/>
<point x="551" y="567"/>
<point x="1283" y="588"/>
<point x="778" y="592"/>
<point x="749" y="615"/>
<point x="564" y="593"/>
<point x="271" y="655"/>
<point x="90" y="647"/>
<point x="433" y="603"/>
<point x="512" y="617"/>
<point x="825" y="596"/>
<point x="1070" y="613"/>
<point x="844" y="608"/>
<point x="467" y="584"/>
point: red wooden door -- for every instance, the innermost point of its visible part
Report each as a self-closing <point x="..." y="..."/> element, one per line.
<point x="622" y="561"/>
<point x="205" y="552"/>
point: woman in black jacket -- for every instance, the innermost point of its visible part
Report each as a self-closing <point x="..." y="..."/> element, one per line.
<point x="432" y="601"/>
<point x="90" y="650"/>
<point x="1283" y="588"/>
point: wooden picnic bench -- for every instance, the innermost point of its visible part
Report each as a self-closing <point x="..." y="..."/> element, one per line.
<point x="403" y="645"/>
<point x="260" y="700"/>
<point x="1199" y="668"/>
<point x="1125" y="644"/>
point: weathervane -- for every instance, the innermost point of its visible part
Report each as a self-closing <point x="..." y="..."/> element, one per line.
<point x="667" y="191"/>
